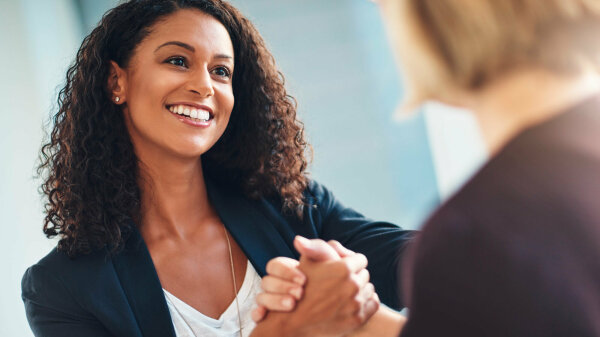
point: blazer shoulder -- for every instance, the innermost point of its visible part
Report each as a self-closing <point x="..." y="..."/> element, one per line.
<point x="64" y="296"/>
<point x="61" y="263"/>
<point x="43" y="287"/>
<point x="318" y="195"/>
<point x="45" y="272"/>
<point x="58" y="273"/>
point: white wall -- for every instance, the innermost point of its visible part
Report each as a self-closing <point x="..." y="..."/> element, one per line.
<point x="38" y="39"/>
<point x="456" y="145"/>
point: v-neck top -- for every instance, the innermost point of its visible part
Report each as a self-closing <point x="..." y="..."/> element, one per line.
<point x="189" y="322"/>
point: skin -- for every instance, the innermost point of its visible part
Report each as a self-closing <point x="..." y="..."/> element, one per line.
<point x="184" y="235"/>
<point x="541" y="95"/>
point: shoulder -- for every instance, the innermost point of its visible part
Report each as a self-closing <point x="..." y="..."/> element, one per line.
<point x="316" y="190"/>
<point x="60" y="263"/>
<point x="319" y="203"/>
<point x="550" y="167"/>
<point x="317" y="195"/>
<point x="519" y="232"/>
<point x="538" y="192"/>
<point x="57" y="276"/>
<point x="321" y="199"/>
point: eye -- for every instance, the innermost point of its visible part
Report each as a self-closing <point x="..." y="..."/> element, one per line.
<point x="177" y="61"/>
<point x="222" y="72"/>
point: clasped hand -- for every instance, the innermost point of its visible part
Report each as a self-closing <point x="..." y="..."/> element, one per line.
<point x="326" y="293"/>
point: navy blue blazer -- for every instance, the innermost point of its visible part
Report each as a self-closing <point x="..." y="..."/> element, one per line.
<point x="101" y="295"/>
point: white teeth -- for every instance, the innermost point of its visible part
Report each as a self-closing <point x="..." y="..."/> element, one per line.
<point x="190" y="112"/>
<point x="203" y="115"/>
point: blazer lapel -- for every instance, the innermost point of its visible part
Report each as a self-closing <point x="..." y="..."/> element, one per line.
<point x="141" y="285"/>
<point x="259" y="237"/>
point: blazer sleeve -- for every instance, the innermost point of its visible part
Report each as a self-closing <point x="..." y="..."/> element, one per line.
<point x="382" y="243"/>
<point x="52" y="311"/>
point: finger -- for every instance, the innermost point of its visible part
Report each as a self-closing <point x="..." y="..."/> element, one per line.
<point x="316" y="249"/>
<point x="276" y="302"/>
<point x="341" y="250"/>
<point x="287" y="269"/>
<point x="370" y="309"/>
<point x="376" y="298"/>
<point x="368" y="292"/>
<point x="362" y="306"/>
<point x="355" y="297"/>
<point x="362" y="278"/>
<point x="258" y="313"/>
<point x="356" y="262"/>
<point x="274" y="285"/>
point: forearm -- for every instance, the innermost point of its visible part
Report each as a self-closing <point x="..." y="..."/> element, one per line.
<point x="266" y="328"/>
<point x="276" y="324"/>
<point x="385" y="323"/>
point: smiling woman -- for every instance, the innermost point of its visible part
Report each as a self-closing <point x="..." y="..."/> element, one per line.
<point x="175" y="170"/>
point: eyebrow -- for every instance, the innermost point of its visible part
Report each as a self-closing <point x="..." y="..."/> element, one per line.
<point x="176" y="43"/>
<point x="190" y="48"/>
<point x="223" y="56"/>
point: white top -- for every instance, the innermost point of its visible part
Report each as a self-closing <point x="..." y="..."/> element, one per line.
<point x="189" y="322"/>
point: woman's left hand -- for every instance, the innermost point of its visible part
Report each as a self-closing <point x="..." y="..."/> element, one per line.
<point x="284" y="284"/>
<point x="282" y="287"/>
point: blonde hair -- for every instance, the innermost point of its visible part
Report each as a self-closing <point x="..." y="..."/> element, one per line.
<point x="466" y="43"/>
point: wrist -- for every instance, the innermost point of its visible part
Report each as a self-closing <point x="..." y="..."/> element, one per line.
<point x="277" y="324"/>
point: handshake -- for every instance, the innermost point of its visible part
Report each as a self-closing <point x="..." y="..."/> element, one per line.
<point x="326" y="293"/>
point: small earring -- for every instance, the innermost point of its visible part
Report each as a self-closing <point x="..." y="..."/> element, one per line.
<point x="117" y="99"/>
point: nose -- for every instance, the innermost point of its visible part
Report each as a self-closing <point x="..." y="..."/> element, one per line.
<point x="200" y="82"/>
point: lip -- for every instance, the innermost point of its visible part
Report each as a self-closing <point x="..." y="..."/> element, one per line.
<point x="189" y="121"/>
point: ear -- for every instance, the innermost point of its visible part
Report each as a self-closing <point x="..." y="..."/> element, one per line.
<point x="117" y="83"/>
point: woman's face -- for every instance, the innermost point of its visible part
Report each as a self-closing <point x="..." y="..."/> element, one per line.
<point x="177" y="91"/>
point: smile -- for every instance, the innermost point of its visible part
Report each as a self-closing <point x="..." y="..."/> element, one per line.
<point x="195" y="114"/>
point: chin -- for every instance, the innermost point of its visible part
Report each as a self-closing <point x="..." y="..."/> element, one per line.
<point x="190" y="151"/>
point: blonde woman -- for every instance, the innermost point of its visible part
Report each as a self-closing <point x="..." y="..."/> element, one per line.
<point x="516" y="252"/>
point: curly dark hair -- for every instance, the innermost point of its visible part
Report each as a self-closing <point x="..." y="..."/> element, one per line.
<point x="89" y="165"/>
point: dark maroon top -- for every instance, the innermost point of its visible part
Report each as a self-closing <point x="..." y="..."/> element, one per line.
<point x="516" y="252"/>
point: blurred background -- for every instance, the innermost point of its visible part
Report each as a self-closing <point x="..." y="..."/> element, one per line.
<point x="337" y="65"/>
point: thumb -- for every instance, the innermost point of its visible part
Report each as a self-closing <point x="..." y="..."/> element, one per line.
<point x="316" y="249"/>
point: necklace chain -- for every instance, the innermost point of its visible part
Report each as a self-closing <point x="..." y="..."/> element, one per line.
<point x="235" y="291"/>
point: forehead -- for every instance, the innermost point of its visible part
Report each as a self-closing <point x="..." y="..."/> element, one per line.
<point x="193" y="27"/>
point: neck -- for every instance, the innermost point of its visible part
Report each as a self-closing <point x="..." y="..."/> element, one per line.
<point x="174" y="197"/>
<point x="526" y="98"/>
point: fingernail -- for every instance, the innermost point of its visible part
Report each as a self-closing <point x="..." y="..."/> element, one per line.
<point x="300" y="279"/>
<point x="296" y="292"/>
<point x="287" y="302"/>
<point x="303" y="241"/>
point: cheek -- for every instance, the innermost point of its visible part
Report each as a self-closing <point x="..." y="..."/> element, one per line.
<point x="230" y="103"/>
<point x="150" y="88"/>
<point x="226" y="102"/>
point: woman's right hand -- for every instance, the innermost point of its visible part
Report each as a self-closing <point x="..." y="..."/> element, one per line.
<point x="284" y="284"/>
